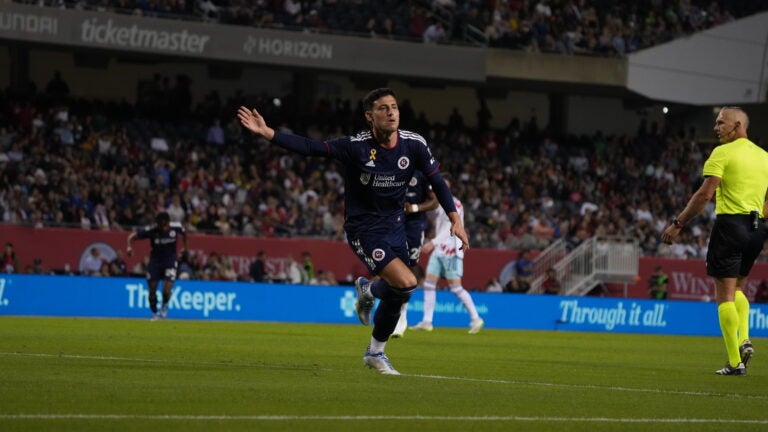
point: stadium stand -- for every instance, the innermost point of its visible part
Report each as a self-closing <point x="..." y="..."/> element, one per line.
<point x="73" y="162"/>
<point x="565" y="26"/>
<point x="112" y="166"/>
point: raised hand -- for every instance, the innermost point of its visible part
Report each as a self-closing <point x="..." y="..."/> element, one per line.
<point x="253" y="121"/>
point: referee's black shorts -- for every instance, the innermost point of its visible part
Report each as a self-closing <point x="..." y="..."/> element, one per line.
<point x="733" y="246"/>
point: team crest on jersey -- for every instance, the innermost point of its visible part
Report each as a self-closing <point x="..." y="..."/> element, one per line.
<point x="413" y="181"/>
<point x="378" y="254"/>
<point x="365" y="178"/>
<point x="403" y="162"/>
<point x="172" y="234"/>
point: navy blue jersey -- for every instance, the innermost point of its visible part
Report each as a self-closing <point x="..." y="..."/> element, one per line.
<point x="163" y="242"/>
<point x="375" y="177"/>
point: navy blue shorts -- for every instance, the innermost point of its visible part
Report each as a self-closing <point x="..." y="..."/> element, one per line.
<point x="161" y="271"/>
<point x="414" y="234"/>
<point x="377" y="249"/>
<point x="733" y="246"/>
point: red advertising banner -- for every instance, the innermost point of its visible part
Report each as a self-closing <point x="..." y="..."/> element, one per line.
<point x="688" y="279"/>
<point x="58" y="247"/>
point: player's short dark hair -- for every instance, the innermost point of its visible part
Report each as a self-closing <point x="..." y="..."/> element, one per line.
<point x="374" y="95"/>
<point x="163" y="218"/>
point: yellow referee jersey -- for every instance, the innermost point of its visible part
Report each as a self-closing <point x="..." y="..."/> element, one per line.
<point x="742" y="167"/>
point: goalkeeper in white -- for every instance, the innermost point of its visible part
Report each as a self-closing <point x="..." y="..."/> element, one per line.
<point x="446" y="261"/>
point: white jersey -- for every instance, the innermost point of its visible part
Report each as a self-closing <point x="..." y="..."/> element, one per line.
<point x="445" y="243"/>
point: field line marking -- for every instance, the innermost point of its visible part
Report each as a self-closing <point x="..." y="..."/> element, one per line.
<point x="379" y="417"/>
<point x="595" y="387"/>
<point x="435" y="377"/>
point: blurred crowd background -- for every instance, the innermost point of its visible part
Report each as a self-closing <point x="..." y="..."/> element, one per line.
<point x="69" y="161"/>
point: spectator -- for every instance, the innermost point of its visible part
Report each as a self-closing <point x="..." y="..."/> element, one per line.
<point x="435" y="33"/>
<point x="215" y="134"/>
<point x="494" y="286"/>
<point x="256" y="270"/>
<point x="37" y="267"/>
<point x="658" y="284"/>
<point x="524" y="271"/>
<point x="118" y="266"/>
<point x="92" y="263"/>
<point x="761" y="295"/>
<point x="551" y="284"/>
<point x="187" y="266"/>
<point x="308" y="267"/>
<point x="10" y="259"/>
<point x="57" y="88"/>
<point x="293" y="271"/>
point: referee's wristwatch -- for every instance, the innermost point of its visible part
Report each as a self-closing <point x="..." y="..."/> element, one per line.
<point x="677" y="223"/>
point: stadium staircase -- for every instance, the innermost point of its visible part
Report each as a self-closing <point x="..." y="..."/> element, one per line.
<point x="593" y="262"/>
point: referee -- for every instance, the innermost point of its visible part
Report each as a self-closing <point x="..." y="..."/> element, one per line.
<point x="737" y="174"/>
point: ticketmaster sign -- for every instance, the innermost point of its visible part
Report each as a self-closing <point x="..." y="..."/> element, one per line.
<point x="238" y="43"/>
<point x="128" y="298"/>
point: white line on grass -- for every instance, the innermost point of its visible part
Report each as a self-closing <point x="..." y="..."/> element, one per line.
<point x="379" y="417"/>
<point x="434" y="377"/>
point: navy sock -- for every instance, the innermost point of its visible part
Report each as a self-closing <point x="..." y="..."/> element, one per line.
<point x="388" y="311"/>
<point x="166" y="298"/>
<point x="379" y="288"/>
<point x="153" y="300"/>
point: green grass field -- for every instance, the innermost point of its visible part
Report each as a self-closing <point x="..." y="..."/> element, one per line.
<point x="114" y="374"/>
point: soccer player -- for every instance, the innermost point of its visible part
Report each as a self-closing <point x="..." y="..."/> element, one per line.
<point x="162" y="237"/>
<point x="419" y="199"/>
<point x="735" y="173"/>
<point x="446" y="261"/>
<point x="378" y="164"/>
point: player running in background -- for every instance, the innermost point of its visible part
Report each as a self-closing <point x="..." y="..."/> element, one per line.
<point x="419" y="199"/>
<point x="446" y="261"/>
<point x="378" y="164"/>
<point x="162" y="237"/>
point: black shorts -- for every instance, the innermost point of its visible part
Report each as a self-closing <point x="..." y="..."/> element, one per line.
<point x="161" y="270"/>
<point x="733" y="246"/>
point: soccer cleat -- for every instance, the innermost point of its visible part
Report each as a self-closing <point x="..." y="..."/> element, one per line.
<point x="424" y="325"/>
<point x="380" y="362"/>
<point x="739" y="370"/>
<point x="476" y="325"/>
<point x="155" y="316"/>
<point x="746" y="351"/>
<point x="364" y="302"/>
<point x="164" y="312"/>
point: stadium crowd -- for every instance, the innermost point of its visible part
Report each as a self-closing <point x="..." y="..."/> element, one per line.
<point x="597" y="27"/>
<point x="93" y="165"/>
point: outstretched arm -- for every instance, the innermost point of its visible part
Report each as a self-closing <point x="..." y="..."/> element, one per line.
<point x="129" y="248"/>
<point x="253" y="121"/>
<point x="457" y="229"/>
<point x="445" y="198"/>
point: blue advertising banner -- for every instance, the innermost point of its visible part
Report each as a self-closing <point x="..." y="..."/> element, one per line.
<point x="128" y="298"/>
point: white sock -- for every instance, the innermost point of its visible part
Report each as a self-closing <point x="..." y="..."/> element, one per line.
<point x="430" y="297"/>
<point x="376" y="346"/>
<point x="467" y="301"/>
